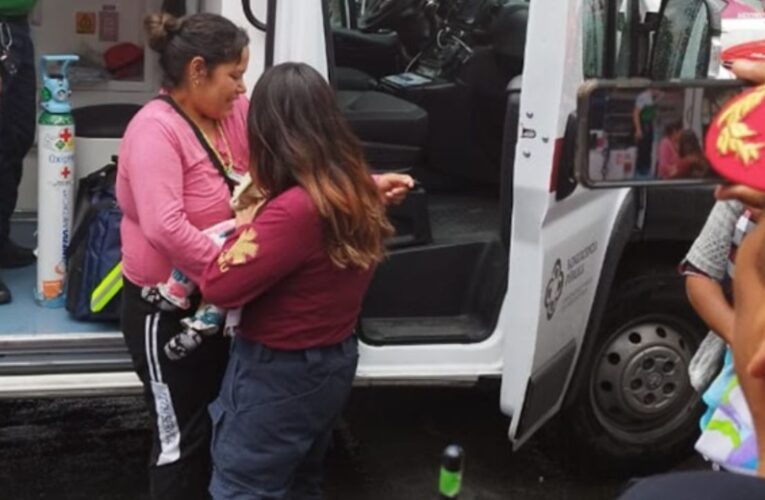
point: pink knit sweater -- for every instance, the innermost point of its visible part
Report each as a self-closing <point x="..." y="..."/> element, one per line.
<point x="168" y="190"/>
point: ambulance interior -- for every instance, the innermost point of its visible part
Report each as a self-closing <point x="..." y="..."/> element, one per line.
<point x="435" y="87"/>
<point x="116" y="73"/>
<point x="431" y="88"/>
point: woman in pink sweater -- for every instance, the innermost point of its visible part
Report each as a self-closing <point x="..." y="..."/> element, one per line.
<point x="170" y="190"/>
<point x="668" y="162"/>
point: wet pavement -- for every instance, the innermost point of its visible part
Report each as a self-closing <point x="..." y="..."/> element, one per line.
<point x="387" y="448"/>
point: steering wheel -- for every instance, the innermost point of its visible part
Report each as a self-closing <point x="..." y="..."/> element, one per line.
<point x="379" y="13"/>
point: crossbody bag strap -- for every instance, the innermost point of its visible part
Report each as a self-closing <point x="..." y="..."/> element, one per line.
<point x="200" y="136"/>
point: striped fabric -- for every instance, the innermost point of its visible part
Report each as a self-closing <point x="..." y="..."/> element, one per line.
<point x="167" y="423"/>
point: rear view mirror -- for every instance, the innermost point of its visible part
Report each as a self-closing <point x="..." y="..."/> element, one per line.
<point x="636" y="132"/>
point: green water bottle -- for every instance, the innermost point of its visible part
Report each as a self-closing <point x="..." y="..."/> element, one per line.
<point x="450" y="478"/>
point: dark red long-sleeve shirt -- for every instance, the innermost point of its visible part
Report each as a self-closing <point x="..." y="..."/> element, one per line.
<point x="277" y="268"/>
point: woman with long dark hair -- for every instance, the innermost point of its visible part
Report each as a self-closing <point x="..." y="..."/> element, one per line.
<point x="172" y="184"/>
<point x="299" y="268"/>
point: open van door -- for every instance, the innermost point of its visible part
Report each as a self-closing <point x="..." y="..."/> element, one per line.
<point x="577" y="336"/>
<point x="559" y="231"/>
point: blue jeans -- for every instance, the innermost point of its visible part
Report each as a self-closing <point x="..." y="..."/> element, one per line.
<point x="273" y="420"/>
<point x="17" y="120"/>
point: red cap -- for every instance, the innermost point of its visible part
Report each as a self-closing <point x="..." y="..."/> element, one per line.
<point x="754" y="51"/>
<point x="735" y="142"/>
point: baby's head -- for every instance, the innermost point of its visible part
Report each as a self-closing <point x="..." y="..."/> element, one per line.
<point x="246" y="195"/>
<point x="673" y="129"/>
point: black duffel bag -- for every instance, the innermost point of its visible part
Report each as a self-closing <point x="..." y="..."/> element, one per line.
<point x="94" y="258"/>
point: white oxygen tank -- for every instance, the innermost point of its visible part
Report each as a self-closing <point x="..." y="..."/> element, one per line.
<point x="55" y="188"/>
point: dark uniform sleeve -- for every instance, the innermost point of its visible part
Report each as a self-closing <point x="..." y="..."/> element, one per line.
<point x="260" y="254"/>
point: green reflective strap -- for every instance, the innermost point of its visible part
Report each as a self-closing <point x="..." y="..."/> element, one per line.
<point x="107" y="289"/>
<point x="449" y="483"/>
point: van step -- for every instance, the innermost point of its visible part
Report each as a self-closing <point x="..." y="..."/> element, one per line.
<point x="63" y="353"/>
<point x="69" y="385"/>
<point x="424" y="329"/>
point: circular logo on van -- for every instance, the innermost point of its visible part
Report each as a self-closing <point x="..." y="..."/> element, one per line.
<point x="554" y="289"/>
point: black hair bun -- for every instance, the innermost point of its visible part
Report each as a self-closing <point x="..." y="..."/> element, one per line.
<point x="161" y="27"/>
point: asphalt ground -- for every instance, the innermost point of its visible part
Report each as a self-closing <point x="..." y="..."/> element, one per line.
<point x="387" y="447"/>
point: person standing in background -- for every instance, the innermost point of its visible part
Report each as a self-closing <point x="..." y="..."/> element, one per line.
<point x="17" y="122"/>
<point x="643" y="116"/>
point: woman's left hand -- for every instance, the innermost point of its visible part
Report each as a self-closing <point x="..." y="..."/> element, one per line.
<point x="394" y="187"/>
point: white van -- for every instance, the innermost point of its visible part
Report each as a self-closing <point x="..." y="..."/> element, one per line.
<point x="503" y="268"/>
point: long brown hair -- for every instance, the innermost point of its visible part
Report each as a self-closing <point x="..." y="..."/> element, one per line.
<point x="298" y="137"/>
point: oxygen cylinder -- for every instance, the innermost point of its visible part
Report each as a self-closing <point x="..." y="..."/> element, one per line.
<point x="55" y="186"/>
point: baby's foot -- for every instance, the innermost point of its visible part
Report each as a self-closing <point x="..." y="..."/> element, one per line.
<point x="152" y="295"/>
<point x="175" y="294"/>
<point x="199" y="325"/>
<point x="207" y="320"/>
<point x="182" y="344"/>
<point x="233" y="320"/>
<point x="231" y="331"/>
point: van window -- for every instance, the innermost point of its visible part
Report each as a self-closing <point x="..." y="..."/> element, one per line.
<point x="594" y="37"/>
<point x="681" y="49"/>
<point x="594" y="25"/>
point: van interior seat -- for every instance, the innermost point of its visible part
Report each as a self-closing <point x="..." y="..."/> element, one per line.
<point x="393" y="131"/>
<point x="347" y="78"/>
<point x="381" y="117"/>
<point x="508" y="32"/>
<point x="375" y="54"/>
<point x="103" y="121"/>
<point x="488" y="75"/>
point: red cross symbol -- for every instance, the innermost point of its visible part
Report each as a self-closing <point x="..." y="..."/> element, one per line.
<point x="65" y="135"/>
<point x="65" y="172"/>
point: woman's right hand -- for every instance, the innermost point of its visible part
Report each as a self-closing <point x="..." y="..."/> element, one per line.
<point x="246" y="216"/>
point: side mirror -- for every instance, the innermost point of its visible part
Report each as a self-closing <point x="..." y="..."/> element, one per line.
<point x="635" y="132"/>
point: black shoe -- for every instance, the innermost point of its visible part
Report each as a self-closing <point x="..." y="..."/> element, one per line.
<point x="5" y="294"/>
<point x="12" y="255"/>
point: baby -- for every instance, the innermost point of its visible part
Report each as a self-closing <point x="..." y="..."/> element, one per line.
<point x="175" y="293"/>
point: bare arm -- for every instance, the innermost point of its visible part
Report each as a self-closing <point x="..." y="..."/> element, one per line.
<point x="709" y="302"/>
<point x="749" y="335"/>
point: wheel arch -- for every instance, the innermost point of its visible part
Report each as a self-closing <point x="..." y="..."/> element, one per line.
<point x="630" y="253"/>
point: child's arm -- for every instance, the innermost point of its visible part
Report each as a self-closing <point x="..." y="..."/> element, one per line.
<point x="708" y="300"/>
<point x="705" y="267"/>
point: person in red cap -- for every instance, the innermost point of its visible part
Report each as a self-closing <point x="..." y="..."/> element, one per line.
<point x="748" y="331"/>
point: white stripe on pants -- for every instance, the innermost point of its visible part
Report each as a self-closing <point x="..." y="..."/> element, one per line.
<point x="167" y="423"/>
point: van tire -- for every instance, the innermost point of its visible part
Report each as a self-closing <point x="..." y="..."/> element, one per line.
<point x="636" y="411"/>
